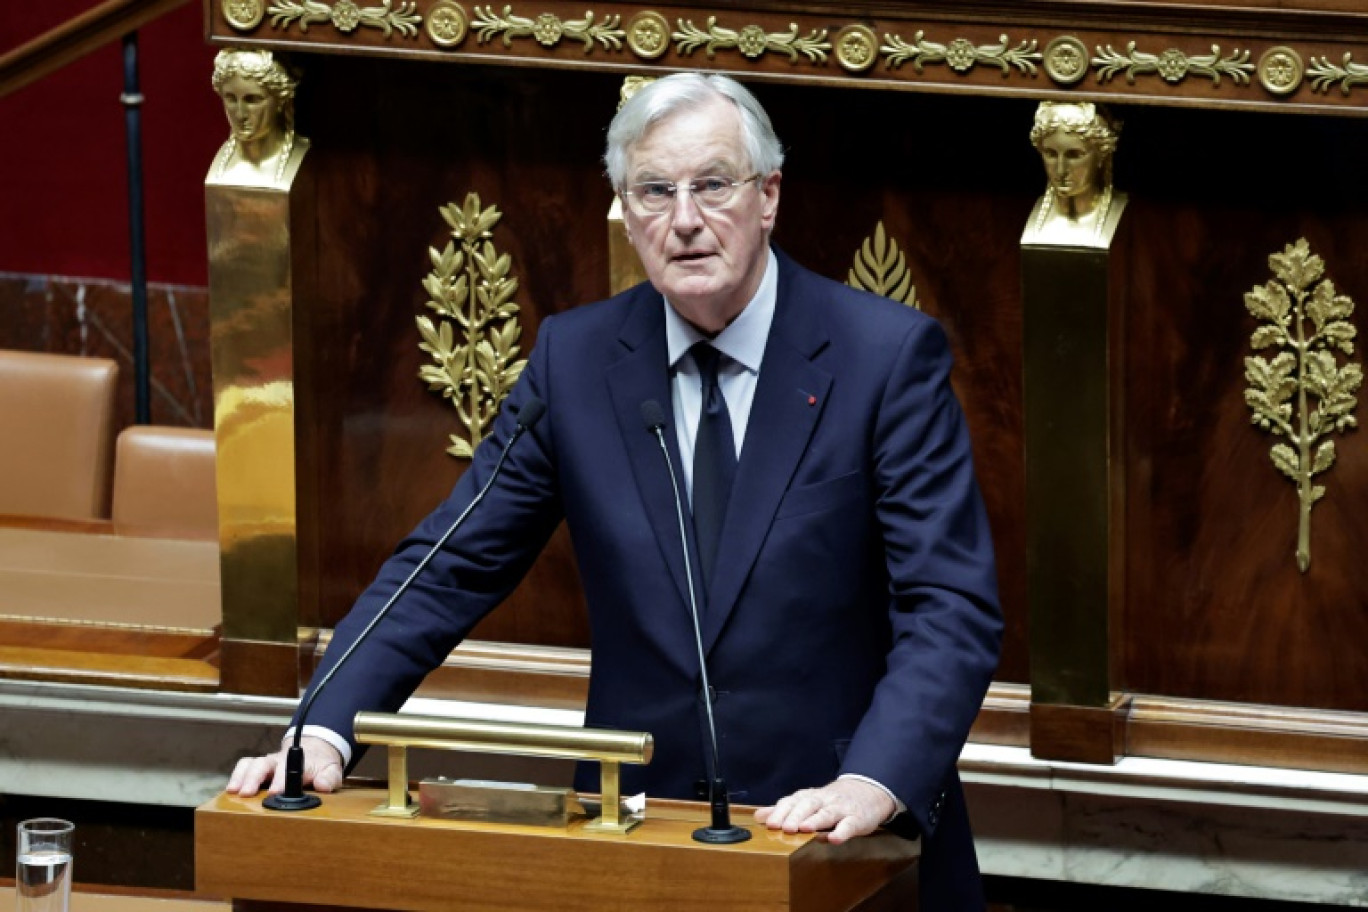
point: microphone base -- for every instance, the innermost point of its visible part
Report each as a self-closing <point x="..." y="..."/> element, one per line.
<point x="291" y="802"/>
<point x="721" y="836"/>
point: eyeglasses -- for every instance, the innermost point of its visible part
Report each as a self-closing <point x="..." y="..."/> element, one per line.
<point x="654" y="197"/>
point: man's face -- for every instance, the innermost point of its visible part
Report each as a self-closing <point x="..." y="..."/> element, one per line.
<point x="251" y="110"/>
<point x="707" y="262"/>
<point x="1071" y="164"/>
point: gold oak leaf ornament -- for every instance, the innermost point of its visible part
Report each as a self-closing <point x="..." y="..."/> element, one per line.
<point x="470" y="289"/>
<point x="1303" y="393"/>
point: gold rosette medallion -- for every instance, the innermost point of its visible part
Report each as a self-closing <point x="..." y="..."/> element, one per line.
<point x="1281" y="70"/>
<point x="857" y="48"/>
<point x="243" y="15"/>
<point x="648" y="34"/>
<point x="1066" y="60"/>
<point x="446" y="23"/>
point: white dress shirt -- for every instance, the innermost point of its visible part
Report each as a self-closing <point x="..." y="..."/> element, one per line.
<point x="743" y="344"/>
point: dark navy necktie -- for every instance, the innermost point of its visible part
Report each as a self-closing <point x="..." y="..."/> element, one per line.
<point x="714" y="465"/>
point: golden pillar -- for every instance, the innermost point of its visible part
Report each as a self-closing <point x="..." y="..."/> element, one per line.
<point x="259" y="209"/>
<point x="1071" y="298"/>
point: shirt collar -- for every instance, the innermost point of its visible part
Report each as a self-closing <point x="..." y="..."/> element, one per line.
<point x="744" y="338"/>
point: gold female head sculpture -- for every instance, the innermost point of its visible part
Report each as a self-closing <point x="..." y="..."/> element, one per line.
<point x="258" y="98"/>
<point x="1076" y="142"/>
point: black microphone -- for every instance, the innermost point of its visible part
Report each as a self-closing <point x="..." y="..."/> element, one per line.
<point x="720" y="831"/>
<point x="294" y="798"/>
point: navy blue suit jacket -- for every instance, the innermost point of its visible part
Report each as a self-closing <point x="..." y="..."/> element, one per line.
<point x="853" y="622"/>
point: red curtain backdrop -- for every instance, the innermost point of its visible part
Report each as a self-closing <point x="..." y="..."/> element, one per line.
<point x="63" y="164"/>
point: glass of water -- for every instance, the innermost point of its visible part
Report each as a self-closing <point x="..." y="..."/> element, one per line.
<point x="43" y="869"/>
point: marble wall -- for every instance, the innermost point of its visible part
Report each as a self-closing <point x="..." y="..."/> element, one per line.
<point x="94" y="317"/>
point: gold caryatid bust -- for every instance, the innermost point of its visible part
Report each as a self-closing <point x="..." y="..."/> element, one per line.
<point x="1076" y="142"/>
<point x="258" y="97"/>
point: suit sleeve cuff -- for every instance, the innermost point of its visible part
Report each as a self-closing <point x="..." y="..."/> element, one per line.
<point x="338" y="742"/>
<point x="898" y="806"/>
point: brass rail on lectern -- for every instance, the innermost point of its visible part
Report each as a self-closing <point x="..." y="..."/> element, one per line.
<point x="568" y="742"/>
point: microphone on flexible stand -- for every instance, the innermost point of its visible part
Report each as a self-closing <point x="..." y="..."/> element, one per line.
<point x="294" y="798"/>
<point x="720" y="831"/>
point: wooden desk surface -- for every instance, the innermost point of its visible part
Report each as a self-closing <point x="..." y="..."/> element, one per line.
<point x="79" y="604"/>
<point x="338" y="856"/>
<point x="101" y="578"/>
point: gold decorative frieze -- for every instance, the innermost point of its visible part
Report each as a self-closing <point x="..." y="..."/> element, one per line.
<point x="346" y="16"/>
<point x="446" y="23"/>
<point x="470" y="288"/>
<point x="1173" y="66"/>
<point x="648" y="34"/>
<point x="880" y="267"/>
<point x="1281" y="70"/>
<point x="752" y="41"/>
<point x="548" y="29"/>
<point x="1325" y="74"/>
<point x="961" y="54"/>
<point x="243" y="15"/>
<point x="1281" y="390"/>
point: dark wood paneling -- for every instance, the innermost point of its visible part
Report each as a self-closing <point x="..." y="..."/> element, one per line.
<point x="1249" y="735"/>
<point x="1079" y="734"/>
<point x="387" y="159"/>
<point x="260" y="668"/>
<point x="1216" y="607"/>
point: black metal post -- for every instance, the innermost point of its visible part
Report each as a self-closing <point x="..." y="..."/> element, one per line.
<point x="132" y="101"/>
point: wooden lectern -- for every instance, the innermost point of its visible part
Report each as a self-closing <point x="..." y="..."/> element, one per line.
<point x="339" y="857"/>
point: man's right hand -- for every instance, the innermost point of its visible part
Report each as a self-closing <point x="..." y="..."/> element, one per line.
<point x="322" y="770"/>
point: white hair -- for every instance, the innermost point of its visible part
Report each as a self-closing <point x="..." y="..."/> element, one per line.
<point x="664" y="97"/>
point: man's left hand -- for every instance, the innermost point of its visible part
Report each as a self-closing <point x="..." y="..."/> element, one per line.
<point x="846" y="807"/>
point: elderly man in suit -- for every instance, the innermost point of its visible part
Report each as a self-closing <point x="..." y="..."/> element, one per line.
<point x="839" y="545"/>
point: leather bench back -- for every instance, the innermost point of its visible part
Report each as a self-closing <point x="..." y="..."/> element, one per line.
<point x="164" y="483"/>
<point x="56" y="430"/>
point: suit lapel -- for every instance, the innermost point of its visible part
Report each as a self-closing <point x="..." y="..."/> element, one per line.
<point x="643" y="374"/>
<point x="789" y="399"/>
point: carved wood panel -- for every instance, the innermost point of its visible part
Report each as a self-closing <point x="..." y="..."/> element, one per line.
<point x="422" y="135"/>
<point x="1214" y="605"/>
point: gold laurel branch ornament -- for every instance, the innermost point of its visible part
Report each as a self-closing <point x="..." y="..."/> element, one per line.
<point x="1281" y="390"/>
<point x="1173" y="66"/>
<point x="547" y="29"/>
<point x="752" y="41"/>
<point x="961" y="54"/>
<point x="880" y="267"/>
<point x="470" y="288"/>
<point x="346" y="16"/>
<point x="1348" y="74"/>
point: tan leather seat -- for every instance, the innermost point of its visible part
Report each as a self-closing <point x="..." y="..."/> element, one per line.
<point x="164" y="483"/>
<point x="56" y="427"/>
